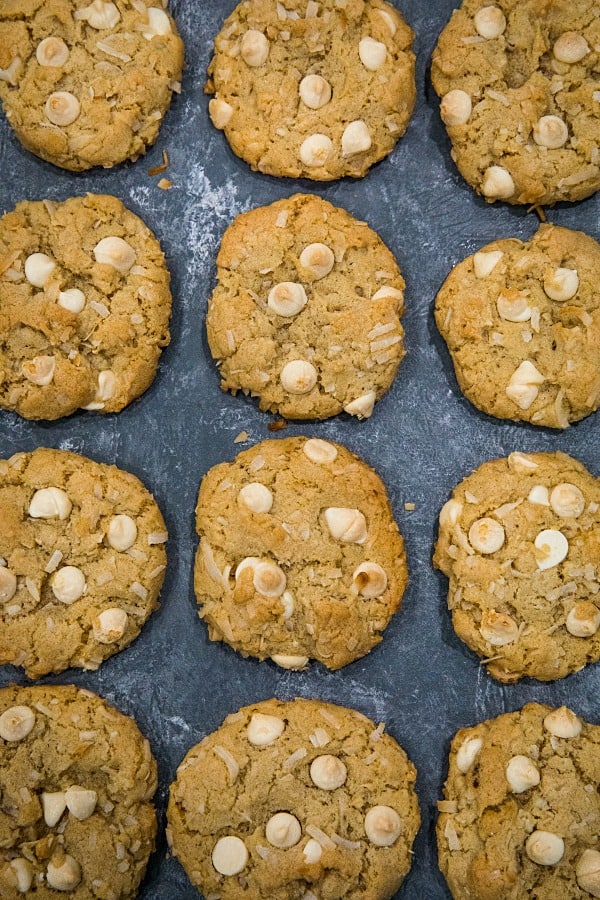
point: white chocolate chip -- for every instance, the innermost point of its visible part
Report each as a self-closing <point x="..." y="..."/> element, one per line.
<point x="513" y="307"/>
<point x="73" y="300"/>
<point x="263" y="730"/>
<point x="539" y="495"/>
<point x="283" y="830"/>
<point x="497" y="628"/>
<point x="570" y="47"/>
<point x="467" y="753"/>
<point x="498" y="183"/>
<point x="68" y="584"/>
<point x="107" y="383"/>
<point x="562" y="284"/>
<point x="318" y="259"/>
<point x="52" y="51"/>
<point x="80" y="802"/>
<point x="315" y="91"/>
<point x="269" y="580"/>
<point x="16" y="723"/>
<point x="370" y="579"/>
<point x="316" y="150"/>
<point x="122" y="532"/>
<point x="158" y="23"/>
<point x="328" y="772"/>
<point x="320" y="452"/>
<point x="298" y="377"/>
<point x="39" y="370"/>
<point x="551" y="547"/>
<point x="551" y="132"/>
<point x="383" y="826"/>
<point x="62" y="108"/>
<point x="66" y="875"/>
<point x="587" y="872"/>
<point x="110" y="625"/>
<point x="294" y="663"/>
<point x="38" y="268"/>
<point x="485" y="261"/>
<point x="545" y="848"/>
<point x="567" y="500"/>
<point x="312" y="852"/>
<point x="486" y="535"/>
<point x="50" y="503"/>
<point x="24" y="873"/>
<point x="8" y="584"/>
<point x="522" y="388"/>
<point x="583" y="620"/>
<point x="521" y="463"/>
<point x="456" y="107"/>
<point x="356" y="138"/>
<point x="115" y="252"/>
<point x="372" y="53"/>
<point x="521" y="774"/>
<point x="287" y="298"/>
<point x="363" y="406"/>
<point x="99" y="15"/>
<point x="450" y="513"/>
<point x="229" y="856"/>
<point x="250" y="562"/>
<point x="256" y="497"/>
<point x="347" y="525"/>
<point x="254" y="48"/>
<point x="53" y="806"/>
<point x="388" y="291"/>
<point x="490" y="22"/>
<point x="220" y="112"/>
<point x="563" y="723"/>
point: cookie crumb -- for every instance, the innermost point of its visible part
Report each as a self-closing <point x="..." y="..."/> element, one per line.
<point x="241" y="438"/>
<point x="157" y="170"/>
<point x="277" y="425"/>
<point x="165" y="184"/>
<point x="539" y="211"/>
<point x="409" y="507"/>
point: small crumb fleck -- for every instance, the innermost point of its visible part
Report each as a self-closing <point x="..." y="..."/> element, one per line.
<point x="241" y="438"/>
<point x="156" y="170"/>
<point x="539" y="212"/>
<point x="165" y="184"/>
<point x="409" y="507"/>
<point x="277" y="425"/>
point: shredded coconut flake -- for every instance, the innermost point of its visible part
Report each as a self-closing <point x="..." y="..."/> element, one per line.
<point x="579" y="177"/>
<point x="110" y="50"/>
<point x="257" y="463"/>
<point x="229" y="760"/>
<point x="294" y="757"/>
<point x="157" y="537"/>
<point x="140" y="590"/>
<point x="319" y="738"/>
<point x="104" y="578"/>
<point x="447" y="806"/>
<point x="320" y="836"/>
<point x="385" y="342"/>
<point x="32" y="588"/>
<point x="380" y="329"/>
<point x="100" y="308"/>
<point x="53" y="562"/>
<point x="451" y="836"/>
<point x="329" y="718"/>
<point x="282" y="218"/>
<point x="344" y="842"/>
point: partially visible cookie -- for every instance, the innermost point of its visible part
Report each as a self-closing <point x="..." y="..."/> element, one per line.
<point x="522" y="322"/>
<point x="519" y="86"/>
<point x="521" y="810"/>
<point x="76" y="779"/>
<point x="313" y="89"/>
<point x="298" y="799"/>
<point x="299" y="557"/>
<point x="306" y="312"/>
<point x="87" y="82"/>
<point x="82" y="560"/>
<point x="520" y="543"/>
<point x="84" y="306"/>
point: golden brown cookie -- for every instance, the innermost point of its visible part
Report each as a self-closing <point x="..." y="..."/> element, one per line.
<point x="520" y="543"/>
<point x="520" y="97"/>
<point x="521" y="810"/>
<point x="87" y="82"/>
<point x="84" y="306"/>
<point x="76" y="779"/>
<point x="299" y="557"/>
<point x="295" y="800"/>
<point x="313" y="89"/>
<point x="306" y="312"/>
<point x="82" y="560"/>
<point x="522" y="322"/>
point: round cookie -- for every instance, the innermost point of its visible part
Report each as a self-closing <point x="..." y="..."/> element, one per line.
<point x="519" y="86"/>
<point x="85" y="306"/>
<point x="522" y="323"/>
<point x="82" y="560"/>
<point x="306" y="312"/>
<point x="87" y="82"/>
<point x="313" y="89"/>
<point x="77" y="780"/>
<point x="295" y="800"/>
<point x="521" y="809"/>
<point x="300" y="557"/>
<point x="520" y="542"/>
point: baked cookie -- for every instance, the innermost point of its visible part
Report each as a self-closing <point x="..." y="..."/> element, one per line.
<point x="313" y="89"/>
<point x="295" y="800"/>
<point x="84" y="306"/>
<point x="521" y="809"/>
<point x="522" y="323"/>
<point x="520" y="543"/>
<point x="81" y="560"/>
<point x="87" y="83"/>
<point x="77" y="779"/>
<point x="300" y="557"/>
<point x="306" y="312"/>
<point x="520" y="97"/>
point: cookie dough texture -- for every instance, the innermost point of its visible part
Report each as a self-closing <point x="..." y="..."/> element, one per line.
<point x="520" y="812"/>
<point x="77" y="779"/>
<point x="86" y="82"/>
<point x="82" y="560"/>
<point x="522" y="323"/>
<point x="300" y="557"/>
<point x="313" y="89"/>
<point x="344" y="788"/>
<point x="306" y="312"/>
<point x="520" y="97"/>
<point x="520" y="543"/>
<point x="85" y="306"/>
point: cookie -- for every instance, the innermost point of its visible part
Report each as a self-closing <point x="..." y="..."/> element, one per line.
<point x="87" y="83"/>
<point x="77" y="779"/>
<point x="300" y="557"/>
<point x="81" y="560"/>
<point x="313" y="89"/>
<point x="84" y="307"/>
<point x="519" y="86"/>
<point x="295" y="800"/>
<point x="521" y="810"/>
<point x="306" y="312"/>
<point x="522" y="323"/>
<point x="520" y="542"/>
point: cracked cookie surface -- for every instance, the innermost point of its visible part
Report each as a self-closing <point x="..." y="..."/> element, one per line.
<point x="520" y="542"/>
<point x="87" y="83"/>
<point x="299" y="557"/>
<point x="306" y="312"/>
<point x="520" y="93"/>
<point x="520" y="814"/>
<point x="313" y="89"/>
<point x="290" y="800"/>
<point x="522" y="324"/>
<point x="85" y="306"/>
<point x="76" y="779"/>
<point x="82" y="560"/>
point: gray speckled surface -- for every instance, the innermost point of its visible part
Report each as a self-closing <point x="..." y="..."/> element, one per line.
<point x="423" y="438"/>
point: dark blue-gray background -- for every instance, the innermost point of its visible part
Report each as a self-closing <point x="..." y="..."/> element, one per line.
<point x="423" y="437"/>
